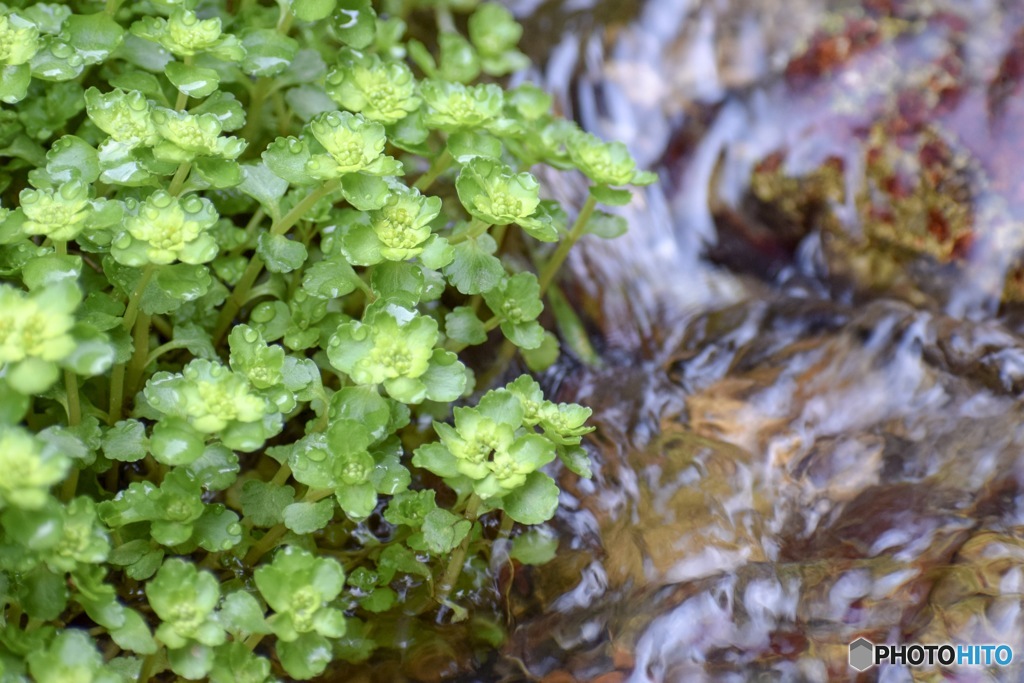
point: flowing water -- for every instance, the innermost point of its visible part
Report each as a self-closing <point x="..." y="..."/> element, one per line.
<point x="808" y="412"/>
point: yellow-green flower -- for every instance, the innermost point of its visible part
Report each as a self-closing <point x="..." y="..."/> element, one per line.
<point x="403" y="224"/>
<point x="352" y="144"/>
<point x="381" y="91"/>
<point x="168" y="229"/>
<point x="124" y="116"/>
<point x="59" y="214"/>
<point x="186" y="136"/>
<point x="35" y="327"/>
<point x="19" y="40"/>
<point x="29" y="469"/>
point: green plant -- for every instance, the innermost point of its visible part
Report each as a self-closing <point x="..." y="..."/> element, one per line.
<point x="228" y="321"/>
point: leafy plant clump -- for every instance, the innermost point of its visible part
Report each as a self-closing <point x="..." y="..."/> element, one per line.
<point x="245" y="252"/>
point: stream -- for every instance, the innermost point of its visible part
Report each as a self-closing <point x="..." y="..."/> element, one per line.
<point x="809" y="428"/>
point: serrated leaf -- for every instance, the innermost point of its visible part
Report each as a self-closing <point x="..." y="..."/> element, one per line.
<point x="462" y="325"/>
<point x="534" y="502"/>
<point x="305" y="518"/>
<point x="280" y="254"/>
<point x="474" y="268"/>
<point x="444" y="531"/>
<point x="610" y="196"/>
<point x="606" y="225"/>
<point x="263" y="504"/>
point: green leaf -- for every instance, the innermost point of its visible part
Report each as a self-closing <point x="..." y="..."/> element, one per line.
<point x="609" y="196"/>
<point x="474" y="268"/>
<point x="242" y="614"/>
<point x="459" y="61"/>
<point x="175" y="442"/>
<point x="444" y="531"/>
<point x="528" y="335"/>
<point x="329" y="279"/>
<point x="192" y="662"/>
<point x="445" y="378"/>
<point x="217" y="468"/>
<point x="288" y="158"/>
<point x="306" y="657"/>
<point x="194" y="81"/>
<point x="357" y="501"/>
<point x="534" y="502"/>
<point x="44" y="595"/>
<point x="218" y="173"/>
<point x="365" y="192"/>
<point x="436" y="458"/>
<point x="535" y="546"/>
<point x="218" y="529"/>
<point x="354" y="23"/>
<point x="544" y="356"/>
<point x="305" y="518"/>
<point x="267" y="52"/>
<point x="174" y="286"/>
<point x="263" y="504"/>
<point x="606" y="225"/>
<point x="463" y="326"/>
<point x="280" y="254"/>
<point x="94" y="36"/>
<point x="312" y="10"/>
<point x="134" y="635"/>
<point x="467" y="145"/>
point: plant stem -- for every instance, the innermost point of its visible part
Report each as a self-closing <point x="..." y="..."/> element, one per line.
<point x="138" y="363"/>
<point x="131" y="312"/>
<point x="265" y="544"/>
<point x="476" y="228"/>
<point x="458" y="558"/>
<point x="182" y="100"/>
<point x="252" y="641"/>
<point x="180" y="176"/>
<point x="558" y="258"/>
<point x="282" y="475"/>
<point x="440" y="164"/>
<point x="112" y="6"/>
<point x="148" y="664"/>
<point x="245" y="283"/>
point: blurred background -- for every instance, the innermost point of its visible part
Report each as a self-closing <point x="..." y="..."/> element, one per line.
<point x="811" y="354"/>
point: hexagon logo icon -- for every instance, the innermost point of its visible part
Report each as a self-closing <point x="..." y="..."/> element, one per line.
<point x="862" y="654"/>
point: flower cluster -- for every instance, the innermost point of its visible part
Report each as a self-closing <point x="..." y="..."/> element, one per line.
<point x="244" y="247"/>
<point x="165" y="229"/>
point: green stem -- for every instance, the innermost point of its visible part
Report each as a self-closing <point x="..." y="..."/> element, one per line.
<point x="254" y="114"/>
<point x="70" y="485"/>
<point x="113" y="6"/>
<point x="265" y="544"/>
<point x="440" y="164"/>
<point x="245" y="283"/>
<point x="313" y="495"/>
<point x="476" y="228"/>
<point x="282" y="475"/>
<point x="148" y="665"/>
<point x="74" y="403"/>
<point x="285" y="19"/>
<point x="558" y="258"/>
<point x="252" y="641"/>
<point x="489" y="325"/>
<point x="131" y="312"/>
<point x="138" y="363"/>
<point x="506" y="526"/>
<point x="458" y="558"/>
<point x="182" y="100"/>
<point x="180" y="176"/>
